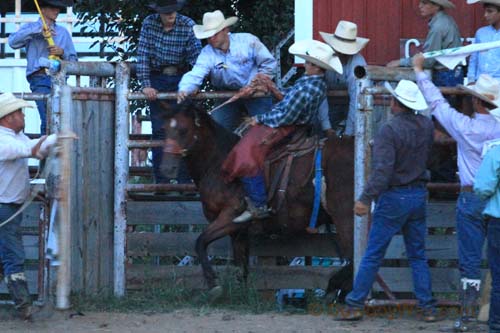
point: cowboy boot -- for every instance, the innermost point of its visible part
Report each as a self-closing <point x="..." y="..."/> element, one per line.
<point x="469" y="294"/>
<point x="18" y="289"/>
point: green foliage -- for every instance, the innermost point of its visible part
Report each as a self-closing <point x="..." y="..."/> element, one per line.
<point x="270" y="20"/>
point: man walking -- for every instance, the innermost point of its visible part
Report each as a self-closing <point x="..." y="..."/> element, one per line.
<point x="397" y="184"/>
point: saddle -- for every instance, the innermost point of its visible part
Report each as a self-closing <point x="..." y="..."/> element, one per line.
<point x="279" y="162"/>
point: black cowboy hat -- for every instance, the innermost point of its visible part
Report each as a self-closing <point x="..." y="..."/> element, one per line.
<point x="61" y="4"/>
<point x="166" y="6"/>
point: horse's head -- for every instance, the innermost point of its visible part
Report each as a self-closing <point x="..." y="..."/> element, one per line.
<point x="182" y="126"/>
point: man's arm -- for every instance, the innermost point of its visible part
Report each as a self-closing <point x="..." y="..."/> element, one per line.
<point x="473" y="63"/>
<point x="193" y="49"/>
<point x="193" y="79"/>
<point x="487" y="180"/>
<point x="384" y="158"/>
<point x="266" y="64"/>
<point x="68" y="47"/>
<point x="285" y="112"/>
<point x="16" y="149"/>
<point x="323" y="115"/>
<point x="143" y="56"/>
<point x="21" y="37"/>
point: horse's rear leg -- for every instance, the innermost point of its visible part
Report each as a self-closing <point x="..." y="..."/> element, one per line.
<point x="241" y="249"/>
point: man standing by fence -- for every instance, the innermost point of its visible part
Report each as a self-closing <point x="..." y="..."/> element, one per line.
<point x="470" y="133"/>
<point x="15" y="149"/>
<point x="487" y="187"/>
<point x="167" y="49"/>
<point x="231" y="61"/>
<point x="33" y="37"/>
<point x="398" y="185"/>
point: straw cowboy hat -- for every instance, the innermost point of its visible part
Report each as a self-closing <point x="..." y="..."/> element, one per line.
<point x="491" y="2"/>
<point x="407" y="92"/>
<point x="317" y="53"/>
<point x="345" y="39"/>
<point x="166" y="6"/>
<point x="9" y="103"/>
<point x="443" y="3"/>
<point x="213" y="22"/>
<point x="486" y="89"/>
<point x="61" y="4"/>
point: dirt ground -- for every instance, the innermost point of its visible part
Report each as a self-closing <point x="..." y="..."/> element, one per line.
<point x="215" y="321"/>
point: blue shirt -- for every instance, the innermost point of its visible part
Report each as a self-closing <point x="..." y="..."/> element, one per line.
<point x="158" y="48"/>
<point x="485" y="62"/>
<point x="300" y="104"/>
<point x="30" y="36"/>
<point x="233" y="69"/>
<point x="487" y="182"/>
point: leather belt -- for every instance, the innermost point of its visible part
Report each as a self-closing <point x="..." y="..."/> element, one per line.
<point x="409" y="186"/>
<point x="170" y="70"/>
<point x="467" y="188"/>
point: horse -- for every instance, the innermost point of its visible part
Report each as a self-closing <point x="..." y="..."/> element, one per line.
<point x="191" y="134"/>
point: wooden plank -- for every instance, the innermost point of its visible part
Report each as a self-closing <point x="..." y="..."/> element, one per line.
<point x="165" y="212"/>
<point x="441" y="214"/>
<point x="437" y="247"/>
<point x="182" y="243"/>
<point x="31" y="276"/>
<point x="31" y="215"/>
<point x="444" y="280"/>
<point x="263" y="277"/>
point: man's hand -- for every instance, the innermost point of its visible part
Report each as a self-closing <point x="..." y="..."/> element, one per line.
<point x="418" y="62"/>
<point x="56" y="50"/>
<point x="181" y="96"/>
<point x="36" y="149"/>
<point x="151" y="93"/>
<point x="361" y="209"/>
<point x="393" y="64"/>
<point x="250" y="121"/>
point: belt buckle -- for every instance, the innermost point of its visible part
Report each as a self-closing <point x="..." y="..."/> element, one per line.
<point x="169" y="70"/>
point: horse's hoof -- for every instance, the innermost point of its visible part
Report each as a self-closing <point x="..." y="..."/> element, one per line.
<point x="215" y="293"/>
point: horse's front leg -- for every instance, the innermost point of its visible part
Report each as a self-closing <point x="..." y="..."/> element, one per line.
<point x="241" y="250"/>
<point x="222" y="226"/>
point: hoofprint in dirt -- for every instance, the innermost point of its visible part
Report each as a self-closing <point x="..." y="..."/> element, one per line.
<point x="216" y="321"/>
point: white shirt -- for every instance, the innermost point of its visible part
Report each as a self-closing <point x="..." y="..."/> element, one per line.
<point x="15" y="149"/>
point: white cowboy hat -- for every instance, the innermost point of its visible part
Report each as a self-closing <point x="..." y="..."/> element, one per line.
<point x="345" y="39"/>
<point x="317" y="53"/>
<point x="9" y="103"/>
<point x="496" y="114"/>
<point x="443" y="3"/>
<point x="213" y="22"/>
<point x="491" y="2"/>
<point x="486" y="89"/>
<point x="407" y="92"/>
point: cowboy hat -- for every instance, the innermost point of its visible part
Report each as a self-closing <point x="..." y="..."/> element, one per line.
<point x="496" y="114"/>
<point x="9" y="103"/>
<point x="486" y="89"/>
<point x="491" y="2"/>
<point x="213" y="22"/>
<point x="61" y="4"/>
<point x="345" y="39"/>
<point x="443" y="3"/>
<point x="166" y="6"/>
<point x="317" y="53"/>
<point x="407" y="92"/>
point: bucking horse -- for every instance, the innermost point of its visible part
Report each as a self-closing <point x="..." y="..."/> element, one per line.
<point x="192" y="135"/>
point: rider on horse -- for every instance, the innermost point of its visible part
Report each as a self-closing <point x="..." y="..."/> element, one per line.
<point x="299" y="107"/>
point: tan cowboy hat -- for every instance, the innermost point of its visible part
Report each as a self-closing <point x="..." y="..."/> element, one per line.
<point x="486" y="89"/>
<point x="9" y="103"/>
<point x="345" y="39"/>
<point x="443" y="3"/>
<point x="407" y="92"/>
<point x="317" y="53"/>
<point x="491" y="2"/>
<point x="213" y="22"/>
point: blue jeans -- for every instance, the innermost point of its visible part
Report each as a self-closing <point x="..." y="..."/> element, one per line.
<point x="471" y="232"/>
<point x="230" y="115"/>
<point x="42" y="84"/>
<point x="494" y="263"/>
<point x="11" y="242"/>
<point x="396" y="210"/>
<point x="448" y="78"/>
<point x="255" y="189"/>
<point x="163" y="83"/>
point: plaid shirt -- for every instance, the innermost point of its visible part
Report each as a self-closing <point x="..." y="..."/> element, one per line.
<point x="299" y="106"/>
<point x="158" y="48"/>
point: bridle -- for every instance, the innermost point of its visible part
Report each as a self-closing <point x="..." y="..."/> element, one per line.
<point x="173" y="147"/>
